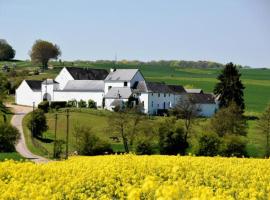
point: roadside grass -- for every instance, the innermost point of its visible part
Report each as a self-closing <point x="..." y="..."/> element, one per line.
<point x="11" y="156"/>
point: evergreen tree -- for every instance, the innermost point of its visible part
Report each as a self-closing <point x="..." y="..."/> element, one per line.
<point x="230" y="88"/>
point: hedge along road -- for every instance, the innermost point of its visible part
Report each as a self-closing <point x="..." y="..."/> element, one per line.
<point x="21" y="148"/>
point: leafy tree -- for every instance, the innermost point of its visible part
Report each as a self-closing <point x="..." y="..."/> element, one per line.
<point x="187" y="110"/>
<point x="87" y="143"/>
<point x="42" y="51"/>
<point x="230" y="88"/>
<point x="6" y="51"/>
<point x="233" y="145"/>
<point x="37" y="123"/>
<point x="208" y="144"/>
<point x="171" y="138"/>
<point x="92" y="104"/>
<point x="264" y="127"/>
<point x="44" y="105"/>
<point x="144" y="146"/>
<point x="4" y="85"/>
<point x="229" y="121"/>
<point x="9" y="136"/>
<point x="82" y="104"/>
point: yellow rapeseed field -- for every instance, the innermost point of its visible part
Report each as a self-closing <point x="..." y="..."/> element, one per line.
<point x="137" y="177"/>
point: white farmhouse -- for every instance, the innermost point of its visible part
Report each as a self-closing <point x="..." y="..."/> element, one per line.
<point x="109" y="90"/>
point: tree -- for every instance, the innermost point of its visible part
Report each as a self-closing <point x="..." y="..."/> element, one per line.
<point x="9" y="136"/>
<point x="37" y="123"/>
<point x="6" y="51"/>
<point x="87" y="143"/>
<point x="230" y="88"/>
<point x="264" y="127"/>
<point x="144" y="146"/>
<point x="233" y="145"/>
<point x="187" y="110"/>
<point x="42" y="51"/>
<point x="171" y="138"/>
<point x="208" y="144"/>
<point x="229" y="121"/>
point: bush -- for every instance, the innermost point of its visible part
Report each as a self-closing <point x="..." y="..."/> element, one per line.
<point x="92" y="104"/>
<point x="208" y="144"/>
<point x="58" y="148"/>
<point x="37" y="123"/>
<point x="82" y="104"/>
<point x="143" y="147"/>
<point x="9" y="136"/>
<point x="233" y="145"/>
<point x="72" y="103"/>
<point x="87" y="143"/>
<point x="58" y="104"/>
<point x="44" y="105"/>
<point x="171" y="138"/>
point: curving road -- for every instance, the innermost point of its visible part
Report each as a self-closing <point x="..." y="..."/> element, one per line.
<point x="21" y="148"/>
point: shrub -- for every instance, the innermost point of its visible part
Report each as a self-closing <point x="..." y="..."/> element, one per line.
<point x="44" y="105"/>
<point x="171" y="138"/>
<point x="37" y="123"/>
<point x="92" y="104"/>
<point x="72" y="103"/>
<point x="58" y="104"/>
<point x="82" y="104"/>
<point x="87" y="143"/>
<point x="58" y="148"/>
<point x="208" y="144"/>
<point x="233" y="145"/>
<point x="143" y="147"/>
<point x="9" y="136"/>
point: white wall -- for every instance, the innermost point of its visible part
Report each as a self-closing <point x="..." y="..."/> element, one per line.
<point x="63" y="77"/>
<point x="78" y="95"/>
<point x="138" y="77"/>
<point x="26" y="96"/>
<point x="144" y="99"/>
<point x="113" y="84"/>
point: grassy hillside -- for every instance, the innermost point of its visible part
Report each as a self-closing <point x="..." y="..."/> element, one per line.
<point x="256" y="81"/>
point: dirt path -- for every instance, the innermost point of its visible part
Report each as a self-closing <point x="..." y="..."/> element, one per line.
<point x="19" y="113"/>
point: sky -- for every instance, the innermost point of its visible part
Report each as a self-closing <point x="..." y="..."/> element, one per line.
<point x="222" y="31"/>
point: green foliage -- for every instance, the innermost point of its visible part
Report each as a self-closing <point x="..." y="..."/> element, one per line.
<point x="264" y="129"/>
<point x="58" y="148"/>
<point x="6" y="51"/>
<point x="233" y="145"/>
<point x="44" y="105"/>
<point x="230" y="88"/>
<point x="72" y="103"/>
<point x="58" y="104"/>
<point x="4" y="86"/>
<point x="92" y="104"/>
<point x="82" y="104"/>
<point x="171" y="138"/>
<point x="208" y="144"/>
<point x="144" y="146"/>
<point x="9" y="136"/>
<point x="37" y="123"/>
<point x="87" y="143"/>
<point x="42" y="51"/>
<point x="229" y="121"/>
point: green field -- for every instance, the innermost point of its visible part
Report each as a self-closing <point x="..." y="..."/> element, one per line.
<point x="10" y="156"/>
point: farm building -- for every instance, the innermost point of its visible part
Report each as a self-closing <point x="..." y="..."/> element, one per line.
<point x="110" y="89"/>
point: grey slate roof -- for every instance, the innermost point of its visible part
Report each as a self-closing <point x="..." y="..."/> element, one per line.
<point x="49" y="81"/>
<point x="200" y="98"/>
<point x="34" y="84"/>
<point x="84" y="85"/>
<point x="118" y="93"/>
<point x="158" y="87"/>
<point x="121" y="75"/>
<point x="194" y="91"/>
<point x="87" y="73"/>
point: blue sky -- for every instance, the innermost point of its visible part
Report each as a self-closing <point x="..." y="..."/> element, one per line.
<point x="222" y="31"/>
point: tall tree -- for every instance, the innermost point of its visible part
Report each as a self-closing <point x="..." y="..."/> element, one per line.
<point x="6" y="50"/>
<point x="42" y="51"/>
<point x="230" y="88"/>
<point x="264" y="127"/>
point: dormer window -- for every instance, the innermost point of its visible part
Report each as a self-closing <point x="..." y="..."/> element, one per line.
<point x="125" y="84"/>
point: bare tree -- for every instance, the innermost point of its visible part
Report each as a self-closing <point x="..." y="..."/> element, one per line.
<point x="187" y="110"/>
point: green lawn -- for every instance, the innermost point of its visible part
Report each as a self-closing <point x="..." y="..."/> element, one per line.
<point x="10" y="156"/>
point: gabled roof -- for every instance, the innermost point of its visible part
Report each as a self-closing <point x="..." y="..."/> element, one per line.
<point x="118" y="93"/>
<point x="194" y="91"/>
<point x="121" y="75"/>
<point x="87" y="73"/>
<point x="34" y="84"/>
<point x="157" y="87"/>
<point x="199" y="98"/>
<point x="84" y="85"/>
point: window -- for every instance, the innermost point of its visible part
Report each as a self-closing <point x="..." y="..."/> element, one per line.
<point x="158" y="105"/>
<point x="125" y="84"/>
<point x="158" y="94"/>
<point x="152" y="104"/>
